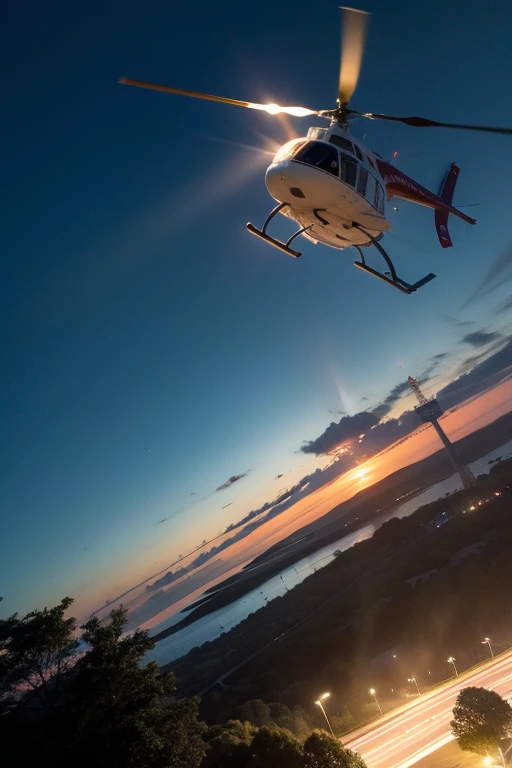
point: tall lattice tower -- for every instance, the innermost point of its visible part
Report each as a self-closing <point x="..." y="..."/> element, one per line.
<point x="429" y="411"/>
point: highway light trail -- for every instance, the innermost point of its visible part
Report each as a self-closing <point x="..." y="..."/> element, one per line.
<point x="411" y="732"/>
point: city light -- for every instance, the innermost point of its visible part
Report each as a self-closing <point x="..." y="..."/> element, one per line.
<point x="413" y="680"/>
<point x="487" y="761"/>
<point x="318" y="702"/>
<point x="373" y="693"/>
<point x="451" y="660"/>
<point x="486" y="641"/>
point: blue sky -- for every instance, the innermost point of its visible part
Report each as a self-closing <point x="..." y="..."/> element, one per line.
<point x="152" y="348"/>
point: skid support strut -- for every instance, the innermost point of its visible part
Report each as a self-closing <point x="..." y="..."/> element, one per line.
<point x="393" y="278"/>
<point x="262" y="233"/>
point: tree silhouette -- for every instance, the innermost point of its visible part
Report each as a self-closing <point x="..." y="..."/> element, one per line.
<point x="121" y="715"/>
<point x="228" y="745"/>
<point x="273" y="746"/>
<point x="36" y="652"/>
<point x="481" y="719"/>
<point x="323" y="751"/>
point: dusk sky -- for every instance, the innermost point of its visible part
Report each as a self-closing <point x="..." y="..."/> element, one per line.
<point x="152" y="348"/>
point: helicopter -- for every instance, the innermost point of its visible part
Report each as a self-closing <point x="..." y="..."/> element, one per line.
<point x="333" y="186"/>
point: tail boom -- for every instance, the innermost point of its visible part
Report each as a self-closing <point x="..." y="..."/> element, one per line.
<point x="398" y="184"/>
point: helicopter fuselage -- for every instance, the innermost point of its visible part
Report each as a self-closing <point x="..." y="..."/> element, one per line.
<point x="330" y="183"/>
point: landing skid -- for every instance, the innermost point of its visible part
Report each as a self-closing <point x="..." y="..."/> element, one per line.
<point x="391" y="278"/>
<point x="262" y="233"/>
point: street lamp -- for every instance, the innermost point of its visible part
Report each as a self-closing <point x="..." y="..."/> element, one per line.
<point x="373" y="693"/>
<point x="487" y="641"/>
<point x="413" y="680"/>
<point x="487" y="761"/>
<point x="318" y="702"/>
<point x="451" y="660"/>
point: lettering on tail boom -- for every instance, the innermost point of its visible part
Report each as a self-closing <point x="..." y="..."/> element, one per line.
<point x="398" y="184"/>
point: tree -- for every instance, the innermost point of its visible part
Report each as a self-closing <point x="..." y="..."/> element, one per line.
<point x="37" y="651"/>
<point x="121" y="714"/>
<point x="294" y="720"/>
<point x="276" y="747"/>
<point x="255" y="711"/>
<point x="323" y="751"/>
<point x="342" y="721"/>
<point x="396" y="531"/>
<point x="242" y="745"/>
<point x="481" y="719"/>
<point x="228" y="745"/>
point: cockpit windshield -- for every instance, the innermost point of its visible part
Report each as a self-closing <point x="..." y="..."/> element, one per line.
<point x="288" y="150"/>
<point x="321" y="155"/>
<point x="327" y="157"/>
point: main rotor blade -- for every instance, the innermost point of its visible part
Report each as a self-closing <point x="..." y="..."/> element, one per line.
<point x="353" y="33"/>
<point x="422" y="122"/>
<point x="272" y="109"/>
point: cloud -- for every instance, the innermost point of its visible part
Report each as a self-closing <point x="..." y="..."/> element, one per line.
<point x="505" y="306"/>
<point x="396" y="393"/>
<point x="468" y="363"/>
<point x="498" y="273"/>
<point x="348" y="428"/>
<point x="425" y="376"/>
<point x="480" y="338"/>
<point x="478" y="372"/>
<point x="380" y="411"/>
<point x="431" y="368"/>
<point x="455" y="321"/>
<point x="233" y="479"/>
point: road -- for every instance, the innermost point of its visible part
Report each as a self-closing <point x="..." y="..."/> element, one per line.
<point x="409" y="733"/>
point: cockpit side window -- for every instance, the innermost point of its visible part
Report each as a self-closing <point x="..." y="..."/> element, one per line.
<point x="359" y="154"/>
<point x="371" y="188"/>
<point x="361" y="181"/>
<point x="348" y="169"/>
<point x="320" y="155"/>
<point x="379" y="198"/>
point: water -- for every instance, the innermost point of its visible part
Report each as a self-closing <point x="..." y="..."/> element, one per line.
<point x="211" y="626"/>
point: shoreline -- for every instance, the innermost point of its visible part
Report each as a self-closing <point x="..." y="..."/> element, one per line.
<point x="334" y="524"/>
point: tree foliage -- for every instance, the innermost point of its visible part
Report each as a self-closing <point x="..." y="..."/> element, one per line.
<point x="323" y="751"/>
<point x="255" y="711"/>
<point x="273" y="746"/>
<point x="242" y="745"/>
<point x="481" y="719"/>
<point x="37" y="651"/>
<point x="121" y="711"/>
<point x="228" y="745"/>
<point x="237" y="744"/>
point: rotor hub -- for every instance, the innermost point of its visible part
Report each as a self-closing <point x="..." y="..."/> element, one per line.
<point x="339" y="116"/>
